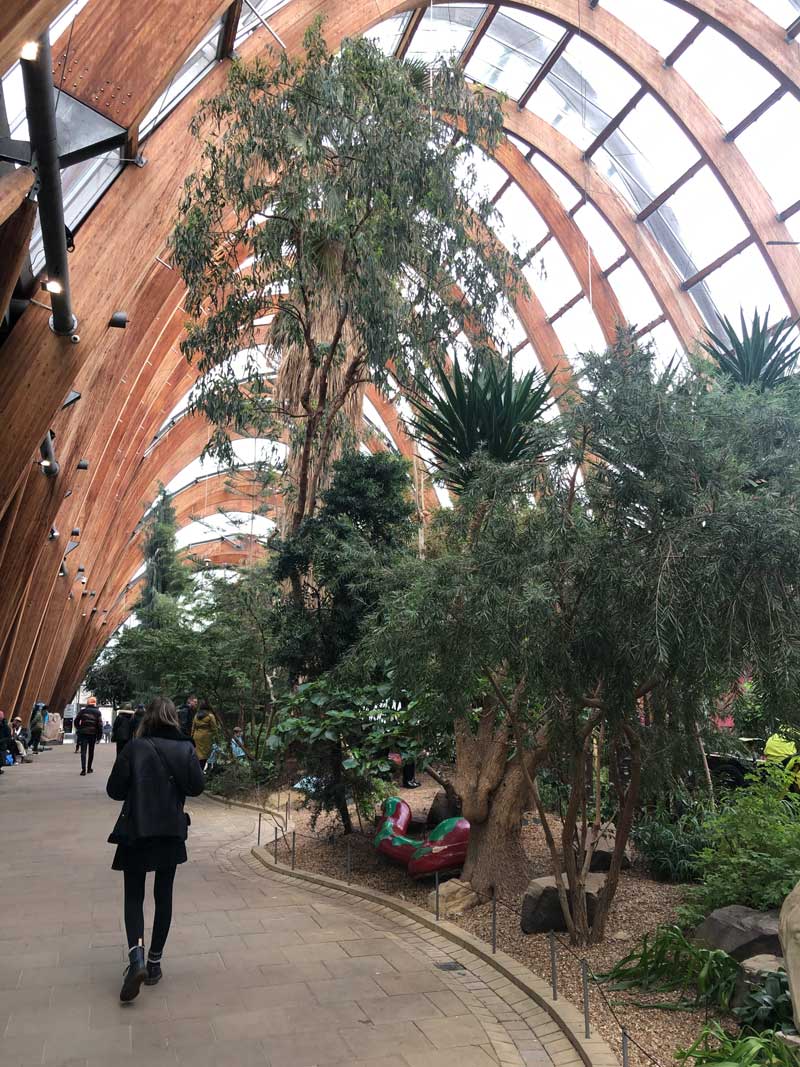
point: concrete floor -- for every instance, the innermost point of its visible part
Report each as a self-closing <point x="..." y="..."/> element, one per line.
<point x="258" y="969"/>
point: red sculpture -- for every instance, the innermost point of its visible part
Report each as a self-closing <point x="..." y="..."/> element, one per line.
<point x="444" y="849"/>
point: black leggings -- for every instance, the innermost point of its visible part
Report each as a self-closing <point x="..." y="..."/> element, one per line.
<point x="134" y="908"/>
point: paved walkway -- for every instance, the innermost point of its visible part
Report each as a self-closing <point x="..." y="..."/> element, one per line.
<point x="259" y="970"/>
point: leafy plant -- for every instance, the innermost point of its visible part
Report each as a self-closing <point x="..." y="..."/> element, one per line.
<point x="753" y="854"/>
<point x="716" y="1047"/>
<point x="670" y="844"/>
<point x="667" y="962"/>
<point x="761" y="355"/>
<point x="488" y="410"/>
<point x="769" y="1006"/>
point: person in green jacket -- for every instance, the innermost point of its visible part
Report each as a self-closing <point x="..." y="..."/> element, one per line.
<point x="204" y="726"/>
<point x="782" y="750"/>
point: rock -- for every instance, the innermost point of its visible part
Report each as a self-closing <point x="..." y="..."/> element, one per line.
<point x="790" y="941"/>
<point x="455" y="897"/>
<point x="621" y="935"/>
<point x="752" y="973"/>
<point x="441" y="808"/>
<point x="601" y="859"/>
<point x="741" y="932"/>
<point x="541" y="908"/>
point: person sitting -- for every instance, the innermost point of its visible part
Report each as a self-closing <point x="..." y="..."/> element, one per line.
<point x="21" y="737"/>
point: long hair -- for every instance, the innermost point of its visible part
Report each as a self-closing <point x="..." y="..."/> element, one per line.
<point x="158" y="715"/>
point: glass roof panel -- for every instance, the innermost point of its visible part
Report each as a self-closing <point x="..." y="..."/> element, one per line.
<point x="605" y="244"/>
<point x="579" y="331"/>
<point x="444" y="31"/>
<point x="490" y="175"/>
<point x="521" y="222"/>
<point x="635" y="296"/>
<point x="697" y="224"/>
<point x="386" y="35"/>
<point x="568" y="193"/>
<point x="793" y="226"/>
<point x="772" y="148"/>
<point x="193" y="70"/>
<point x="583" y="92"/>
<point x="249" y="21"/>
<point x="781" y="11"/>
<point x="745" y="281"/>
<point x="666" y="344"/>
<point x="727" y="80"/>
<point x="660" y="23"/>
<point x="551" y="277"/>
<point x="512" y="50"/>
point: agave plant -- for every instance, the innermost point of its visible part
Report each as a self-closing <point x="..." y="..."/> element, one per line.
<point x="488" y="410"/>
<point x="762" y="355"/>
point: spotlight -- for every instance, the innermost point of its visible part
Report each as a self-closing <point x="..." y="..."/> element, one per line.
<point x="74" y="396"/>
<point x="68" y="493"/>
<point x="76" y="532"/>
<point x="83" y="465"/>
<point x="53" y="534"/>
<point x="29" y="51"/>
<point x="93" y="611"/>
<point x="83" y="580"/>
<point x="84" y="593"/>
<point x="93" y="593"/>
<point x="53" y="286"/>
<point x="119" y="320"/>
<point x="81" y="569"/>
<point x="61" y="572"/>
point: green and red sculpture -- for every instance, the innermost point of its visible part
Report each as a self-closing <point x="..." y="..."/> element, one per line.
<point x="444" y="848"/>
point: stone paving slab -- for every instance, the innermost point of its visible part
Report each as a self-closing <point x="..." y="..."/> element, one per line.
<point x="259" y="969"/>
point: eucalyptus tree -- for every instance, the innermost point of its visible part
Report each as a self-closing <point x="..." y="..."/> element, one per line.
<point x="621" y="582"/>
<point x="332" y="203"/>
<point x="164" y="575"/>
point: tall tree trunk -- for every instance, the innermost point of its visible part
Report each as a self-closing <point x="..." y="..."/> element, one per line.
<point x="495" y="853"/>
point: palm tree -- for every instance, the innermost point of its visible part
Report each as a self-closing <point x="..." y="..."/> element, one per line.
<point x="487" y="411"/>
<point x="762" y="355"/>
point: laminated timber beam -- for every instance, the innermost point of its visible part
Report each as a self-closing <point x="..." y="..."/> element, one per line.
<point x="22" y="21"/>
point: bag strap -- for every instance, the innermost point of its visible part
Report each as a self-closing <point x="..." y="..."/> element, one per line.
<point x="164" y="764"/>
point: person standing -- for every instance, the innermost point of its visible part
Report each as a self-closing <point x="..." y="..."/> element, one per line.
<point x="204" y="726"/>
<point x="36" y="725"/>
<point x="125" y="725"/>
<point x="106" y="732"/>
<point x="88" y="730"/>
<point x="7" y="746"/>
<point x="186" y="715"/>
<point x="152" y="776"/>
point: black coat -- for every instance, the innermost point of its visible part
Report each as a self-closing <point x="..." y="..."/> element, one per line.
<point x="89" y="723"/>
<point x="153" y="776"/>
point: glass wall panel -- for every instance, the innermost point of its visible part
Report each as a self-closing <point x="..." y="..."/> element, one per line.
<point x="781" y="11"/>
<point x="579" y="331"/>
<point x="193" y="70"/>
<point x="386" y="35"/>
<point x="444" y="31"/>
<point x="745" y="282"/>
<point x="521" y="223"/>
<point x="490" y="175"/>
<point x="660" y="23"/>
<point x="585" y="89"/>
<point x="727" y="80"/>
<point x="249" y="21"/>
<point x="702" y="222"/>
<point x="635" y="296"/>
<point x="772" y="148"/>
<point x="605" y="244"/>
<point x="512" y="50"/>
<point x="552" y="278"/>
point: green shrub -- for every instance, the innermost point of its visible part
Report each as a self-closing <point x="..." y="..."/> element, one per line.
<point x="716" y="1047"/>
<point x="238" y="779"/>
<point x="769" y="1007"/>
<point x="753" y="854"/>
<point x="670" y="845"/>
<point x="667" y="962"/>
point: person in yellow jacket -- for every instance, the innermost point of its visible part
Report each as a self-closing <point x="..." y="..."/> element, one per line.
<point x="204" y="726"/>
<point x="780" y="749"/>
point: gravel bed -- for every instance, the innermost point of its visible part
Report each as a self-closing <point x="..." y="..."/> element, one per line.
<point x="639" y="906"/>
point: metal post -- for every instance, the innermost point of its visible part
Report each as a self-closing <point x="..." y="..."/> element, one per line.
<point x="294" y="836"/>
<point x="348" y="861"/>
<point x="37" y="82"/>
<point x="553" y="965"/>
<point x="436" y="875"/>
<point x="494" y="919"/>
<point x="585" y="981"/>
<point x="625" y="1054"/>
<point x="259" y="829"/>
<point x="276" y="844"/>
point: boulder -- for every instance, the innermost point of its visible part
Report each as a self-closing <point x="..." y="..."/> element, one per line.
<point x="455" y="897"/>
<point x="601" y="858"/>
<point x="541" y="908"/>
<point x="752" y="973"/>
<point x="741" y="932"/>
<point x="441" y="808"/>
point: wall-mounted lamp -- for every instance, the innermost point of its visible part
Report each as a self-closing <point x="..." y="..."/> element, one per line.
<point x="119" y="320"/>
<point x="93" y="593"/>
<point x="81" y="569"/>
<point x="53" y="534"/>
<point x="53" y="285"/>
<point x="62" y="572"/>
<point x="83" y="465"/>
<point x="68" y="493"/>
<point x="76" y="532"/>
<point x="29" y="51"/>
<point x="82" y="580"/>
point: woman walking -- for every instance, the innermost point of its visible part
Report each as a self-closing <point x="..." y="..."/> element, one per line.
<point x="153" y="775"/>
<point x="204" y="727"/>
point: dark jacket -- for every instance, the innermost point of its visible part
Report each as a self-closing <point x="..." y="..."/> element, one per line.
<point x="125" y="726"/>
<point x="153" y="776"/>
<point x="186" y="718"/>
<point x="36" y="724"/>
<point x="89" y="723"/>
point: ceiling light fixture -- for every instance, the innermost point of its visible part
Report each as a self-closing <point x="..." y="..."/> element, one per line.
<point x="29" y="51"/>
<point x="53" y="285"/>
